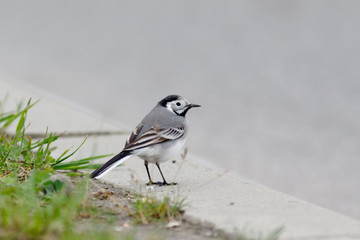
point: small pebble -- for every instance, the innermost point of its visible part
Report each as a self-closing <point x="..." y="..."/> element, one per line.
<point x="173" y="224"/>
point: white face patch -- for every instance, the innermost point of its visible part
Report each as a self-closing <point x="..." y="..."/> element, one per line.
<point x="179" y="106"/>
<point x="179" y="111"/>
<point x="168" y="107"/>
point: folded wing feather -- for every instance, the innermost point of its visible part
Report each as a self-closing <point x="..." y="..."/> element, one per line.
<point x="152" y="136"/>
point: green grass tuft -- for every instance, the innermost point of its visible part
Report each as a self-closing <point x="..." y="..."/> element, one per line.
<point x="31" y="205"/>
<point x="19" y="154"/>
<point x="27" y="215"/>
<point x="149" y="209"/>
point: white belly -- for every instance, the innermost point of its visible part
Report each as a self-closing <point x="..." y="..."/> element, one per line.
<point x="161" y="152"/>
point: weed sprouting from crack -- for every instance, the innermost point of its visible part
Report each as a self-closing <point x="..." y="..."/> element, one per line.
<point x="19" y="154"/>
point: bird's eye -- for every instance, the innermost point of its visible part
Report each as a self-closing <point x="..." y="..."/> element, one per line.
<point x="178" y="104"/>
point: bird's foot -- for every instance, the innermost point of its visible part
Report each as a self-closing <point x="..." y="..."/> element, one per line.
<point x="153" y="183"/>
<point x="168" y="184"/>
<point x="160" y="184"/>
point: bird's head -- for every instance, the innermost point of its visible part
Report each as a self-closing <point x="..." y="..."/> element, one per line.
<point x="177" y="104"/>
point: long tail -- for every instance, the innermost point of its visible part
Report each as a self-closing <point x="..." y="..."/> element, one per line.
<point x="112" y="163"/>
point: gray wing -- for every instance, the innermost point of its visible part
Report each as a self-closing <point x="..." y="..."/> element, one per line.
<point x="153" y="136"/>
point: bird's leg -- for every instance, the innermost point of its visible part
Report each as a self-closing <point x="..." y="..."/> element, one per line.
<point x="164" y="181"/>
<point x="147" y="170"/>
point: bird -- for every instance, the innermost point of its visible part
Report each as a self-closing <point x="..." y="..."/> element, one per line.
<point x="159" y="137"/>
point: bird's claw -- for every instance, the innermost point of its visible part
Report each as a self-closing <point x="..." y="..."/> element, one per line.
<point x="160" y="184"/>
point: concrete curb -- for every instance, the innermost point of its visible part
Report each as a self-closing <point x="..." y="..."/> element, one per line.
<point x="230" y="202"/>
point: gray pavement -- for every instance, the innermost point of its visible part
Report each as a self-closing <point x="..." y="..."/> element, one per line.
<point x="278" y="80"/>
<point x="230" y="202"/>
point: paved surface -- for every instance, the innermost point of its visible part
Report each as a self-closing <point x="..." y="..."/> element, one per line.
<point x="278" y="80"/>
<point x="230" y="202"/>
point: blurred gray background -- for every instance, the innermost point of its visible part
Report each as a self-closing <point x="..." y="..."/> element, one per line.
<point x="278" y="80"/>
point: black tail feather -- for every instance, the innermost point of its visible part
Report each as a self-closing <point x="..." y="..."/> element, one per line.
<point x="108" y="164"/>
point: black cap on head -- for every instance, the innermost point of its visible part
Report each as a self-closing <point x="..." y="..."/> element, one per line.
<point x="169" y="98"/>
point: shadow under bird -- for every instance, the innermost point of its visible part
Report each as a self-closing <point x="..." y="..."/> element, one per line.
<point x="159" y="137"/>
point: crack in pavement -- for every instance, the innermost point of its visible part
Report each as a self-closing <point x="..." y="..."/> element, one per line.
<point x="73" y="134"/>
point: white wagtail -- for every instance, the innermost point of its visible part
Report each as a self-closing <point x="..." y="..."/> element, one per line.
<point x="160" y="136"/>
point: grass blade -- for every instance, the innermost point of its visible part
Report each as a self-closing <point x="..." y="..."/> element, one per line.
<point x="48" y="140"/>
<point x="64" y="158"/>
<point x="77" y="167"/>
<point x="79" y="164"/>
<point x="11" y="117"/>
<point x="95" y="157"/>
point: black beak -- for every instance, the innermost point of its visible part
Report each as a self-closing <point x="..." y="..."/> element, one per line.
<point x="187" y="108"/>
<point x="193" y="105"/>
